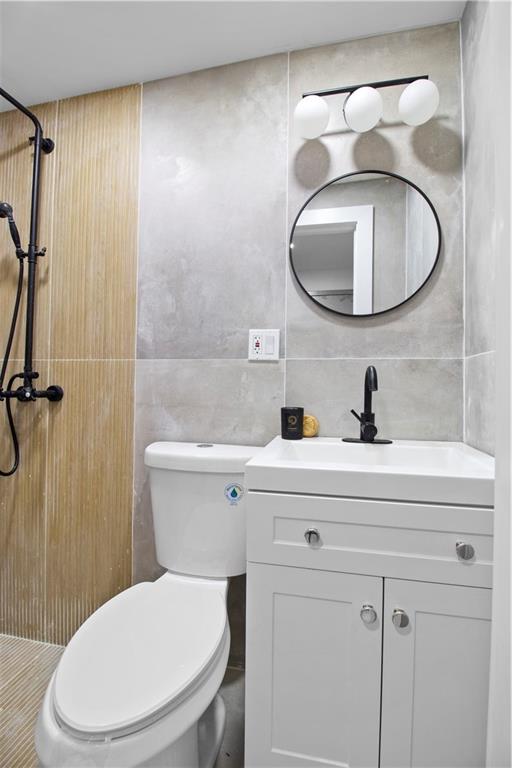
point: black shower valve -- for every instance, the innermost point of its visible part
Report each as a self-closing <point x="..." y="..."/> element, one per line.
<point x="25" y="394"/>
<point x="54" y="393"/>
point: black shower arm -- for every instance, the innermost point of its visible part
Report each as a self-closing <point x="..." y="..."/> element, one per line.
<point x="21" y="108"/>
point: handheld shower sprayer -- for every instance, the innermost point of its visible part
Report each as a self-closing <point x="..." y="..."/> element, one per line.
<point x="6" y="212"/>
<point x="26" y="392"/>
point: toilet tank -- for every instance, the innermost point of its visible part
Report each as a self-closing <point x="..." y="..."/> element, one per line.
<point x="198" y="498"/>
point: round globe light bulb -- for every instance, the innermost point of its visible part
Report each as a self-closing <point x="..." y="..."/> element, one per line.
<point x="363" y="109"/>
<point x="419" y="102"/>
<point x="311" y="117"/>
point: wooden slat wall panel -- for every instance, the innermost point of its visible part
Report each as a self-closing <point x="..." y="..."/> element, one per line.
<point x="16" y="157"/>
<point x="89" y="491"/>
<point x="65" y="518"/>
<point x="94" y="278"/>
<point x="23" y="496"/>
<point x="22" y="519"/>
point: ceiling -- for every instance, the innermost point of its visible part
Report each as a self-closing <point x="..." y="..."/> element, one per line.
<point x="50" y="50"/>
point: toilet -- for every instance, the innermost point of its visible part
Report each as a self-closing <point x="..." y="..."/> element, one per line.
<point x="138" y="683"/>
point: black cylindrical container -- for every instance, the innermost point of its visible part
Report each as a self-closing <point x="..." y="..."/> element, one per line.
<point x="292" y="420"/>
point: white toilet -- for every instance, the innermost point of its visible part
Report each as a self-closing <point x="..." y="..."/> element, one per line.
<point x="138" y="683"/>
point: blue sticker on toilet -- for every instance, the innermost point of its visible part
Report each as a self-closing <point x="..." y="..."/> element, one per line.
<point x="233" y="493"/>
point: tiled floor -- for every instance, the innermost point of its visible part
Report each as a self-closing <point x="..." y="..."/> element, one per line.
<point x="25" y="669"/>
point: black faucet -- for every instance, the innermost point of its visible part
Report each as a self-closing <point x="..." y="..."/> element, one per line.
<point x="367" y="428"/>
<point x="371" y="384"/>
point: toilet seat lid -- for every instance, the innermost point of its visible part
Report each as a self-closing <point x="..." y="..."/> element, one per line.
<point x="138" y="655"/>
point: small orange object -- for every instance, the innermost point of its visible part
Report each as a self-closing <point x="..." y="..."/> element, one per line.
<point x="311" y="425"/>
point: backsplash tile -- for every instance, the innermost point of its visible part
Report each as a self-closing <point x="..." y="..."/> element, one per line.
<point x="417" y="399"/>
<point x="480" y="399"/>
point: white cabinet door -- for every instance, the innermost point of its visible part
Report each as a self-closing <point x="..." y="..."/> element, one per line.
<point x="435" y="676"/>
<point x="313" y="668"/>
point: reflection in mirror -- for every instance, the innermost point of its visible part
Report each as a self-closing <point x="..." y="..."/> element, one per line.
<point x="365" y="243"/>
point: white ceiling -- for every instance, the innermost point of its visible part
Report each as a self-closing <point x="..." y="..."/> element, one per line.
<point x="50" y="50"/>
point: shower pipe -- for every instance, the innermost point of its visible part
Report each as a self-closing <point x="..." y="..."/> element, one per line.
<point x="26" y="392"/>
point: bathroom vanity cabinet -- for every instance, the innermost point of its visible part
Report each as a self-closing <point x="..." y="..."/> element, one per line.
<point x="368" y="632"/>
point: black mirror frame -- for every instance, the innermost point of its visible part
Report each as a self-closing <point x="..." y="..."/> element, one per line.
<point x="359" y="173"/>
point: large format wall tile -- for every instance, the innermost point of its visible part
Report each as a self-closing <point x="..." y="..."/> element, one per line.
<point x="213" y="249"/>
<point x="484" y="233"/>
<point x="431" y="324"/>
<point x="65" y="527"/>
<point x="89" y="491"/>
<point x="23" y="496"/>
<point x="481" y="110"/>
<point x="213" y="196"/>
<point x="481" y="411"/>
<point x="417" y="399"/>
<point x="16" y="157"/>
<point x="221" y="401"/>
<point x="23" y="519"/>
<point x="94" y="268"/>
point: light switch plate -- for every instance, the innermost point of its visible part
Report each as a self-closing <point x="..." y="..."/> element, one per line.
<point x="264" y="344"/>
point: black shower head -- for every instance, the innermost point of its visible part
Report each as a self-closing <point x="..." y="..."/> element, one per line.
<point x="6" y="213"/>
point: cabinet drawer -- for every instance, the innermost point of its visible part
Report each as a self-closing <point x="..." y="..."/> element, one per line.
<point x="384" y="538"/>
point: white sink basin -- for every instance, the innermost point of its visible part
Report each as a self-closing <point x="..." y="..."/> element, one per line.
<point x="436" y="472"/>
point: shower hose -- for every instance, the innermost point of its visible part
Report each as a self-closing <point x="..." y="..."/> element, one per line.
<point x="3" y="371"/>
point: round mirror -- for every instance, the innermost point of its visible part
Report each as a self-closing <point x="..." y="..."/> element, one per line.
<point x="365" y="243"/>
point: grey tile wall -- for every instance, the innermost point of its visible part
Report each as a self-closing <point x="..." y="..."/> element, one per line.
<point x="212" y="216"/>
<point x="480" y="401"/>
<point x="222" y="178"/>
<point x="223" y="401"/>
<point x="481" y="111"/>
<point x="431" y="324"/>
<point x="211" y="265"/>
<point x="418" y="399"/>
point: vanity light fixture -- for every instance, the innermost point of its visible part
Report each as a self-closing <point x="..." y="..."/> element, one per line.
<point x="363" y="109"/>
<point x="363" y="106"/>
<point x="419" y="102"/>
<point x="311" y="117"/>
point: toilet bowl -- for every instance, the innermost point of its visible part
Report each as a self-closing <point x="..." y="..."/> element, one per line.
<point x="138" y="683"/>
